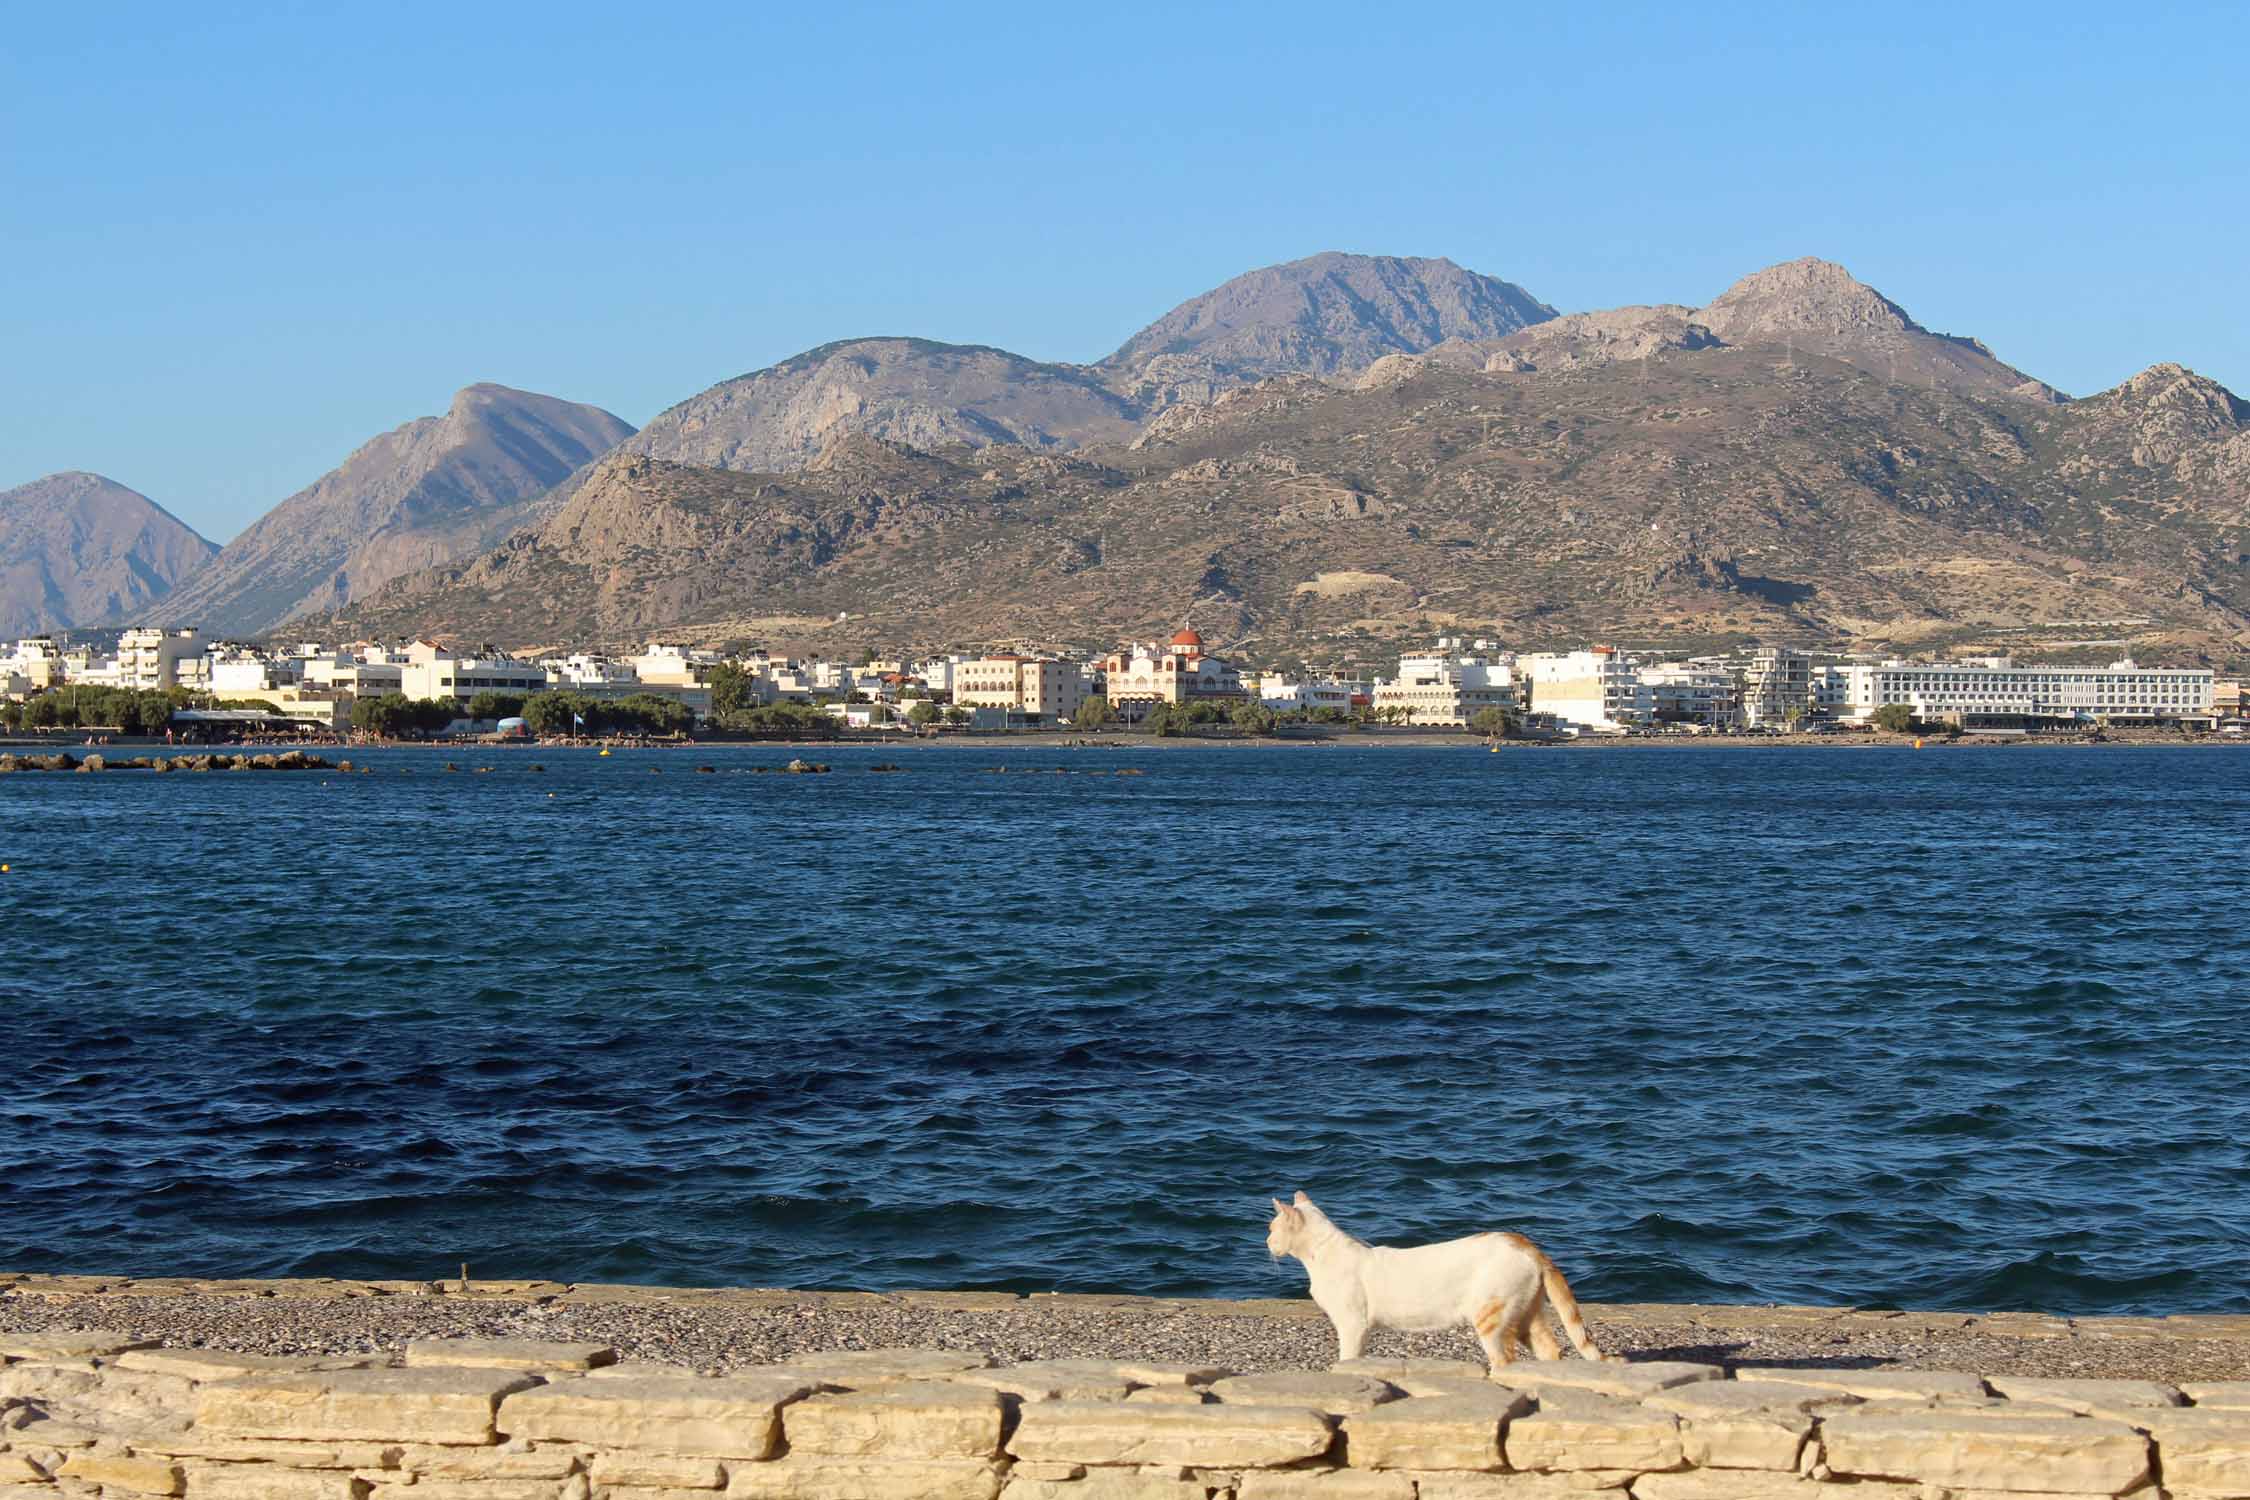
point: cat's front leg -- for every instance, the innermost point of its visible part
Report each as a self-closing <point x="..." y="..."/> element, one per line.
<point x="1351" y="1337"/>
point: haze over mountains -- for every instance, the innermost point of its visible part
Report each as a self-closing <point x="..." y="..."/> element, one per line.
<point x="1343" y="449"/>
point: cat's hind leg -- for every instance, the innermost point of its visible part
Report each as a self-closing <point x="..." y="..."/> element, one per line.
<point x="1495" y="1323"/>
<point x="1536" y="1333"/>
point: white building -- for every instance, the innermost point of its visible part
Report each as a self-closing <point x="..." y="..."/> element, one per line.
<point x="1285" y="694"/>
<point x="149" y="659"/>
<point x="1994" y="690"/>
<point x="1692" y="692"/>
<point x="1776" y="681"/>
<point x="665" y="664"/>
<point x="1450" y="686"/>
<point x="1596" y="689"/>
<point x="35" y="665"/>
<point x="431" y="671"/>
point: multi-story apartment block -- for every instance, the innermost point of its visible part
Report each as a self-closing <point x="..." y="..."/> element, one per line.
<point x="1692" y="692"/>
<point x="1777" y="683"/>
<point x="1596" y="689"/>
<point x="1038" y="687"/>
<point x="150" y="660"/>
<point x="1995" y="691"/>
<point x="1285" y="694"/>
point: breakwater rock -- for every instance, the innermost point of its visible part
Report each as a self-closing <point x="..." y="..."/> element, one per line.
<point x="63" y="760"/>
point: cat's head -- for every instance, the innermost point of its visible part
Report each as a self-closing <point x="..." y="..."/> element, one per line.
<point x="1290" y="1221"/>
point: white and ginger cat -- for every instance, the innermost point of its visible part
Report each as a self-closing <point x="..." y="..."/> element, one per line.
<point x="1497" y="1283"/>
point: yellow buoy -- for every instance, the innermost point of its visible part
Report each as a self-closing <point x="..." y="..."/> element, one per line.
<point x="1917" y="744"/>
<point x="605" y="750"/>
<point x="3" y="869"/>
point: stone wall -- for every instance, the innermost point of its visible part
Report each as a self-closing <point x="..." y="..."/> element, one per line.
<point x="93" y="1414"/>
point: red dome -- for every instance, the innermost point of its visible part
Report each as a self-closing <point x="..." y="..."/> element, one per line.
<point x="1187" y="637"/>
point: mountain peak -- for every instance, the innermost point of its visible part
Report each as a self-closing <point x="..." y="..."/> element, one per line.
<point x="77" y="548"/>
<point x="1326" y="314"/>
<point x="1806" y="295"/>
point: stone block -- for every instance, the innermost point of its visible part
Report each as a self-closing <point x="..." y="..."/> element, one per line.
<point x="1434" y="1432"/>
<point x="225" y="1364"/>
<point x="1409" y="1374"/>
<point x="1161" y="1372"/>
<point x="818" y="1478"/>
<point x="1728" y="1398"/>
<point x="135" y="1476"/>
<point x="1617" y="1436"/>
<point x="268" y="1482"/>
<point x="507" y="1354"/>
<point x="424" y="1406"/>
<point x="1581" y="1485"/>
<point x="2073" y="1454"/>
<point x="2222" y="1395"/>
<point x="1605" y="1378"/>
<point x="1335" y="1394"/>
<point x="408" y="1487"/>
<point x="40" y="1380"/>
<point x="429" y="1461"/>
<point x="2204" y="1450"/>
<point x="1874" y="1385"/>
<point x="724" y="1418"/>
<point x="1740" y="1484"/>
<point x="924" y="1419"/>
<point x="858" y="1366"/>
<point x="69" y="1343"/>
<point x="1323" y="1484"/>
<point x="650" y="1471"/>
<point x="1215" y="1436"/>
<point x="1171" y="1395"/>
<point x="1055" y="1380"/>
<point x="639" y="1369"/>
<point x="197" y="1445"/>
<point x="1746" y="1440"/>
<point x="2119" y="1399"/>
<point x="1107" y="1484"/>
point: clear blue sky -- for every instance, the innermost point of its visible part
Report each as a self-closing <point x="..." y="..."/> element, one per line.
<point x="237" y="241"/>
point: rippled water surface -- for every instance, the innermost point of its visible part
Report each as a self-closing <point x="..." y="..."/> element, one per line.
<point x="1943" y="1029"/>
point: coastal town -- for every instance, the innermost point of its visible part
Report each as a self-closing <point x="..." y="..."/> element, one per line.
<point x="179" y="682"/>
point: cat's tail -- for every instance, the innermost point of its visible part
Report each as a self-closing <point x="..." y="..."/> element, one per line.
<point x="1566" y="1310"/>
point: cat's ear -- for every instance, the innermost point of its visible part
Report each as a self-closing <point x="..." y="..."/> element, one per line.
<point x="1302" y="1200"/>
<point x="1281" y="1208"/>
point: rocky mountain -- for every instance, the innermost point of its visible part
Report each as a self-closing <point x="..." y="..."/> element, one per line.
<point x="1815" y="305"/>
<point x="77" y="549"/>
<point x="1700" y="492"/>
<point x="1330" y="315"/>
<point x="904" y="390"/>
<point x="1327" y="315"/>
<point x="436" y="489"/>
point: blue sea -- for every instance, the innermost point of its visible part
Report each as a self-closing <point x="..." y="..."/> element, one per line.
<point x="1955" y="1028"/>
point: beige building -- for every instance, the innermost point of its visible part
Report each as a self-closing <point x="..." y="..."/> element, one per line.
<point x="1178" y="673"/>
<point x="1039" y="686"/>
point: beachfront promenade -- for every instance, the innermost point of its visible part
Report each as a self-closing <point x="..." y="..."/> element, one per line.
<point x="510" y="1390"/>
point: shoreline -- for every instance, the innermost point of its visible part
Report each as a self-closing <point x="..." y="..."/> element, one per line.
<point x="725" y="1329"/>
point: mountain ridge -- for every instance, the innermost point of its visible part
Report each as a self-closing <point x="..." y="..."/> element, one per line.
<point x="431" y="489"/>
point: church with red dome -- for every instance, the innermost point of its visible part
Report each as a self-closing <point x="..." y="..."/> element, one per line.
<point x="1180" y="671"/>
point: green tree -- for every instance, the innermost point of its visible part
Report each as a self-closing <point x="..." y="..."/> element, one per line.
<point x="1898" y="718"/>
<point x="1491" y="721"/>
<point x="923" y="714"/>
<point x="551" y="713"/>
<point x="1254" y="718"/>
<point x="494" y="705"/>
<point x="1093" y="714"/>
<point x="734" y="690"/>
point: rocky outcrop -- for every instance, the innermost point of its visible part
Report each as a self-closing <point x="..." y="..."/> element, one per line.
<point x="426" y="493"/>
<point x="77" y="550"/>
